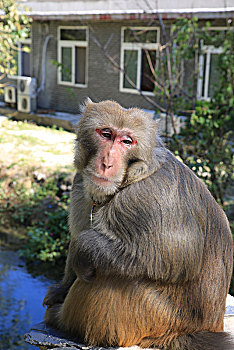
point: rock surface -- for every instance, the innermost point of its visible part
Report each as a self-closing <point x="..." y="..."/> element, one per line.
<point x="46" y="337"/>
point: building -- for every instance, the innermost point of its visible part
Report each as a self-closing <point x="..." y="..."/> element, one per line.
<point x="88" y="48"/>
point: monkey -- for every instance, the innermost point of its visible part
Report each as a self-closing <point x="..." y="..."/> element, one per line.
<point x="150" y="254"/>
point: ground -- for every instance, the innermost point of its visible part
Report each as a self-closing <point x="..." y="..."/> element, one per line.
<point x="41" y="147"/>
<point x="29" y="154"/>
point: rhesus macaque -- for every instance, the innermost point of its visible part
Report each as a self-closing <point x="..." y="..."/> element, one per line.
<point x="150" y="257"/>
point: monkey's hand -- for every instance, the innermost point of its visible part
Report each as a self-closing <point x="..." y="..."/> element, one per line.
<point x="91" y="251"/>
<point x="56" y="294"/>
<point x="83" y="267"/>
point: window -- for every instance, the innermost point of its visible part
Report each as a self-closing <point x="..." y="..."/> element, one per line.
<point x="208" y="71"/>
<point x="24" y="59"/>
<point x="72" y="56"/>
<point x="208" y="64"/>
<point x="21" y="59"/>
<point x="138" y="58"/>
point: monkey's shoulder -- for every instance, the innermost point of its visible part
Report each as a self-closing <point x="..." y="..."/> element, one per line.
<point x="175" y="175"/>
<point x="171" y="184"/>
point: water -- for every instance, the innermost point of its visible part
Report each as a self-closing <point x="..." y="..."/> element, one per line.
<point x="21" y="297"/>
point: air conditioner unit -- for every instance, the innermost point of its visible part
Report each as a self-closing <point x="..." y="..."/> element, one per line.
<point x="10" y="94"/>
<point x="26" y="103"/>
<point x="26" y="85"/>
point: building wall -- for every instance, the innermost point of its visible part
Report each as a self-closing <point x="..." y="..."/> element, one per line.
<point x="103" y="78"/>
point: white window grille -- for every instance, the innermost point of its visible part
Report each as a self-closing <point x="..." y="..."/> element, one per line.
<point x="72" y="56"/>
<point x="209" y="74"/>
<point x="208" y="71"/>
<point x="139" y="48"/>
<point x="21" y="57"/>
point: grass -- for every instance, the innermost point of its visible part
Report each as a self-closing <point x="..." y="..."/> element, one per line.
<point x="27" y="143"/>
<point x="34" y="160"/>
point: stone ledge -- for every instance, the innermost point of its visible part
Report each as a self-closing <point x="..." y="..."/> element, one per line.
<point x="45" y="337"/>
<point x="229" y="324"/>
<point x="66" y="121"/>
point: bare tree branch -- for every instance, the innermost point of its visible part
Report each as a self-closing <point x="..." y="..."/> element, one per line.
<point x="2" y="76"/>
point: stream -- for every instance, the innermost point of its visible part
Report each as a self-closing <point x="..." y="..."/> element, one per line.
<point x="21" y="297"/>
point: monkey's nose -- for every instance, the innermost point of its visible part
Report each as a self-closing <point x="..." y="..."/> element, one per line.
<point x="107" y="163"/>
<point x="107" y="166"/>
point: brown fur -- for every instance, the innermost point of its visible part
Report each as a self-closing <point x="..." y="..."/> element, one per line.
<point x="154" y="267"/>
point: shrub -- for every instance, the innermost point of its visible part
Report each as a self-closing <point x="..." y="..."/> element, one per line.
<point x="48" y="243"/>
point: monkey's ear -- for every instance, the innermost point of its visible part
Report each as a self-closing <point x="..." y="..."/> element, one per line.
<point x="88" y="101"/>
<point x="84" y="105"/>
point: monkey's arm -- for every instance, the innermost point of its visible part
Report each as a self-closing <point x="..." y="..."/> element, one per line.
<point x="96" y="252"/>
<point x="163" y="241"/>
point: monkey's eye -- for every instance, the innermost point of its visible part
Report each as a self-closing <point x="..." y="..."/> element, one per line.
<point x="127" y="140"/>
<point x="105" y="133"/>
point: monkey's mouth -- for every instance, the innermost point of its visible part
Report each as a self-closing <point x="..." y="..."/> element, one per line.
<point x="100" y="180"/>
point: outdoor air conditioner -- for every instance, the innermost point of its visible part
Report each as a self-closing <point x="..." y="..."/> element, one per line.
<point x="26" y="103"/>
<point x="10" y="94"/>
<point x="26" y="85"/>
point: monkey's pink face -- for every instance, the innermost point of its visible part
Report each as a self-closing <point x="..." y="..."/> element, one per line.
<point x="111" y="159"/>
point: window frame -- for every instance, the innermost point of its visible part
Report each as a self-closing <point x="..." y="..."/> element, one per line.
<point x="207" y="50"/>
<point x="72" y="44"/>
<point x="136" y="47"/>
<point x="19" y="68"/>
